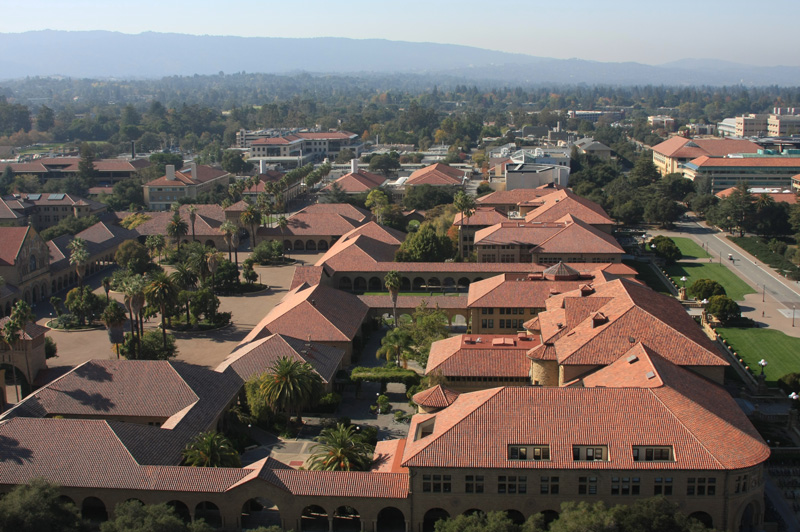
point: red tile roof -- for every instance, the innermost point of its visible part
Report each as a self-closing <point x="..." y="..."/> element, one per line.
<point x="11" y="240"/>
<point x="708" y="436"/>
<point x="349" y="484"/>
<point x="437" y="174"/>
<point x="513" y="198"/>
<point x="361" y="181"/>
<point x="483" y="216"/>
<point x="458" y="357"/>
<point x="684" y="148"/>
<point x="184" y="177"/>
<point x="437" y="397"/>
<point x="785" y="196"/>
<point x="207" y="222"/>
<point x="568" y="236"/>
<point x="746" y="162"/>
<point x="318" y="313"/>
<point x="261" y="355"/>
<point x="523" y="291"/>
<point x="412" y="302"/>
<point x="388" y="455"/>
<point x="556" y="206"/>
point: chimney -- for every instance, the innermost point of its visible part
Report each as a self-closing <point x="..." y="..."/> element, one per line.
<point x="313" y="303"/>
<point x="194" y="171"/>
<point x="354" y="165"/>
<point x="170" y="172"/>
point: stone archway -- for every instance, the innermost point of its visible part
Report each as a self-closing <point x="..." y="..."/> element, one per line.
<point x="345" y="284"/>
<point x="181" y="510"/>
<point x="463" y="283"/>
<point x="434" y="283"/>
<point x="375" y="284"/>
<point x="359" y="284"/>
<point x="299" y="246"/>
<point x="94" y="510"/>
<point x="322" y="245"/>
<point x="704" y="518"/>
<point x="390" y="519"/>
<point x="418" y="283"/>
<point x="209" y="512"/>
<point x="311" y="245"/>
<point x="431" y="516"/>
<point x="405" y="284"/>
<point x="211" y="244"/>
<point x="346" y="519"/>
<point x="260" y="512"/>
<point x="516" y="517"/>
<point x="314" y="519"/>
<point x="749" y="519"/>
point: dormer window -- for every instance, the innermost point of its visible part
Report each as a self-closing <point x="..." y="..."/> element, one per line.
<point x="529" y="452"/>
<point x="590" y="453"/>
<point x="425" y="429"/>
<point x="661" y="453"/>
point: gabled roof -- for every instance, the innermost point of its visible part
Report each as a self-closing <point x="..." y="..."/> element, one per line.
<point x="11" y="240"/>
<point x="184" y="177"/>
<point x="702" y="423"/>
<point x="436" y="174"/>
<point x="344" y="484"/>
<point x="579" y="237"/>
<point x="556" y="206"/>
<point x="207" y="222"/>
<point x="357" y="251"/>
<point x="634" y="313"/>
<point x="352" y="212"/>
<point x="482" y="355"/>
<point x="360" y="181"/>
<point x="29" y="332"/>
<point x="524" y="291"/>
<point x="316" y="313"/>
<point x="483" y="216"/>
<point x="261" y="355"/>
<point x="685" y="148"/>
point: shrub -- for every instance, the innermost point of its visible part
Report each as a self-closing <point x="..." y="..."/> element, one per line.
<point x="723" y="308"/>
<point x="666" y="248"/>
<point x="706" y="288"/>
<point x="789" y="383"/>
<point x="152" y="347"/>
<point x="50" y="348"/>
<point x="65" y="321"/>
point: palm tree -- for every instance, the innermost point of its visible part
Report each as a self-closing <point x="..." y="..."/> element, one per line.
<point x="114" y="317"/>
<point x="393" y="282"/>
<point x="78" y="257"/>
<point x="340" y="448"/>
<point x="14" y="330"/>
<point x="192" y="209"/>
<point x="176" y="228"/>
<point x="289" y="386"/>
<point x="133" y="289"/>
<point x="283" y="223"/>
<point x="211" y="449"/>
<point x="185" y="279"/>
<point x="161" y="292"/>
<point x="198" y="262"/>
<point x="465" y="204"/>
<point x="251" y="217"/>
<point x="229" y="228"/>
<point x="213" y="259"/>
<point x="396" y="345"/>
<point x="154" y="244"/>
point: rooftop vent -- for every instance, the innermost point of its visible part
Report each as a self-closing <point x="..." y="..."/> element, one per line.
<point x="650" y="374"/>
<point x="479" y="340"/>
<point x="631" y="359"/>
<point x="631" y="339"/>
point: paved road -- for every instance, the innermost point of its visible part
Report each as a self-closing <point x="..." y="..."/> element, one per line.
<point x="783" y="292"/>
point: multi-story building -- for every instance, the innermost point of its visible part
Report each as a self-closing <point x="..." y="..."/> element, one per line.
<point x="661" y="122"/>
<point x="751" y="125"/>
<point x="297" y="149"/>
<point x="107" y="171"/>
<point x="670" y="155"/>
<point x="758" y="172"/>
<point x="177" y="185"/>
<point x="24" y="266"/>
<point x="46" y="210"/>
<point x="783" y="125"/>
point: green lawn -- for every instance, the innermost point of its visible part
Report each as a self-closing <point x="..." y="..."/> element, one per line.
<point x="781" y="352"/>
<point x="734" y="287"/>
<point x="689" y="248"/>
<point x="646" y="274"/>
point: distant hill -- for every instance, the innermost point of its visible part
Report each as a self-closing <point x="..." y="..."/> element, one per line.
<point x="103" y="54"/>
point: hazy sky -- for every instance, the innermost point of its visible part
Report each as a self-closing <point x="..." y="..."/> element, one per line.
<point x="603" y="30"/>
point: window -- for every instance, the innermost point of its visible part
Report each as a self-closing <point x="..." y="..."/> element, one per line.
<point x="473" y="484"/>
<point x="589" y="453"/>
<point x="436" y="483"/>
<point x="587" y="485"/>
<point x="549" y="485"/>
<point x="512" y="485"/>
<point x="741" y="484"/>
<point x="625" y="486"/>
<point x="663" y="486"/>
<point x="701" y="486"/>
<point x="529" y="452"/>
<point x="653" y="454"/>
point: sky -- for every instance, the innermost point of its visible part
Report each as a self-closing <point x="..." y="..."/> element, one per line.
<point x="643" y="31"/>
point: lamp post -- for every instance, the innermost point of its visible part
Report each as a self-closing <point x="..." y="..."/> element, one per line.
<point x="763" y="364"/>
<point x="793" y="396"/>
<point x="763" y="292"/>
<point x="793" y="315"/>
<point x="683" y="279"/>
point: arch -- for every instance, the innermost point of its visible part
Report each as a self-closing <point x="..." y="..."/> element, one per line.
<point x="311" y="245"/>
<point x="53" y="286"/>
<point x="35" y="293"/>
<point x="375" y="284"/>
<point x="449" y="282"/>
<point x="345" y="284"/>
<point x="359" y="284"/>
<point x="258" y="512"/>
<point x="405" y="284"/>
<point x="434" y="283"/>
<point x="94" y="510"/>
<point x="209" y="512"/>
<point x="405" y="318"/>
<point x="516" y="516"/>
<point x="431" y="516"/>
<point x="63" y="499"/>
<point x="60" y="283"/>
<point x="703" y="517"/>
<point x="27" y="296"/>
<point x="12" y="373"/>
<point x="287" y="245"/>
<point x="298" y="245"/>
<point x="458" y="321"/>
<point x="210" y="243"/>
<point x="418" y="283"/>
<point x="181" y="510"/>
<point x="346" y="519"/>
<point x="463" y="282"/>
<point x="314" y="518"/>
<point x="322" y="245"/>
<point x="748" y="521"/>
<point x="549" y="516"/>
<point x="390" y="519"/>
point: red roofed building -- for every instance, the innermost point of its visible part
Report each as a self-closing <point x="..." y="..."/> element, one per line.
<point x="299" y="148"/>
<point x="510" y="200"/>
<point x="317" y="227"/>
<point x="357" y="180"/>
<point x="437" y="174"/>
<point x="554" y="207"/>
<point x="24" y="265"/>
<point x="107" y="171"/>
<point x="772" y="171"/>
<point x="175" y="185"/>
<point x="46" y="210"/>
<point x="671" y="154"/>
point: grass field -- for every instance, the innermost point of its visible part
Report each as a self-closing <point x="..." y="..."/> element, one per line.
<point x="734" y="287"/>
<point x="646" y="274"/>
<point x="781" y="352"/>
<point x="689" y="248"/>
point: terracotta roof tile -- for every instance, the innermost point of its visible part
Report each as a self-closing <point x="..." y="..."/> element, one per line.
<point x="387" y="457"/>
<point x="464" y="356"/>
<point x="562" y="203"/>
<point x="437" y="397"/>
<point x="350" y="484"/>
<point x="437" y="174"/>
<point x="11" y="240"/>
<point x="746" y="162"/>
<point x="360" y="181"/>
<point x="684" y="148"/>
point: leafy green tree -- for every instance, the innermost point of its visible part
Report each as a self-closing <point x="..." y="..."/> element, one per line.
<point x="723" y="308"/>
<point x="233" y="162"/>
<point x="6" y="180"/>
<point x="86" y="169"/>
<point x="36" y="506"/>
<point x="396" y="345"/>
<point x="425" y="197"/>
<point x="662" y="211"/>
<point x="344" y="156"/>
<point x="133" y="516"/>
<point x="478" y="522"/>
<point x="226" y="278"/>
<point x="706" y="288"/>
<point x="465" y="203"/>
<point x="133" y="256"/>
<point x="78" y="257"/>
<point x="155" y="244"/>
<point x="340" y="448"/>
<point x="385" y="163"/>
<point x="161" y="160"/>
<point x="666" y="248"/>
<point x="425" y="246"/>
<point x="377" y="201"/>
<point x="251" y="218"/>
<point x="211" y="449"/>
<point x="69" y="225"/>
<point x="150" y="347"/>
<point x="84" y="303"/>
<point x="290" y="386"/>
<point x="334" y="194"/>
<point x="45" y="119"/>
